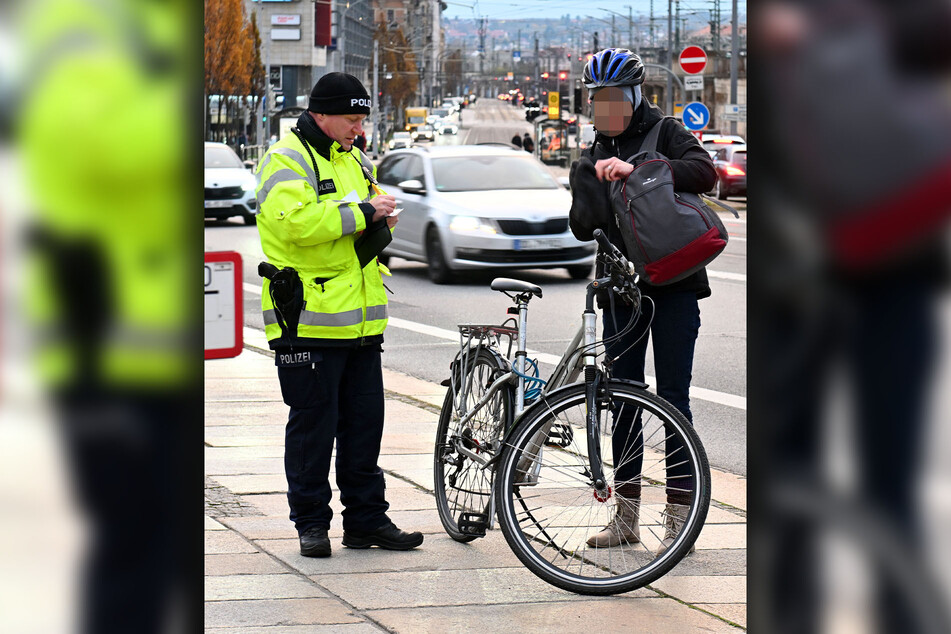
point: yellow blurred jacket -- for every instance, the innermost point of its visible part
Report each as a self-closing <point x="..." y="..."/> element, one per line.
<point x="315" y="235"/>
<point x="103" y="147"/>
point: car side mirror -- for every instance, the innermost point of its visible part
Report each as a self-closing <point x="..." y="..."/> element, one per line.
<point x="412" y="187"/>
<point x="249" y="164"/>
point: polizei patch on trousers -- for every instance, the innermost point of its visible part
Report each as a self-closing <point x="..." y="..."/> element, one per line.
<point x="287" y="359"/>
<point x="326" y="187"/>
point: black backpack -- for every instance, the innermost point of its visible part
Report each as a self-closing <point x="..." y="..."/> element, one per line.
<point x="668" y="235"/>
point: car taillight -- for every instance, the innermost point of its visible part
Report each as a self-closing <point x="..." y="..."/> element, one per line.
<point x="733" y="170"/>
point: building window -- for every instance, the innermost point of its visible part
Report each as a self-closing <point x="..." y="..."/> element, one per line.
<point x="389" y="16"/>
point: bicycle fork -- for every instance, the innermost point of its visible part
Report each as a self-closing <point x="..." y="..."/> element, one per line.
<point x="592" y="380"/>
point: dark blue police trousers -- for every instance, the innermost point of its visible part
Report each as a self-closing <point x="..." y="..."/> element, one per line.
<point x="338" y="398"/>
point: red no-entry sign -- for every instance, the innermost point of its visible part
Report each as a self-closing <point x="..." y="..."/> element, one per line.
<point x="693" y="60"/>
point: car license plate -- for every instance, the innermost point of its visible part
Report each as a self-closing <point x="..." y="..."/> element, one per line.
<point x="533" y="244"/>
<point x="217" y="204"/>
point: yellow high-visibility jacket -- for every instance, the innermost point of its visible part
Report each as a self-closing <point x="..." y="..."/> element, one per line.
<point x="314" y="233"/>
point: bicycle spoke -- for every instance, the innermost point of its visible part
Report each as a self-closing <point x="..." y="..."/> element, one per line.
<point x="549" y="518"/>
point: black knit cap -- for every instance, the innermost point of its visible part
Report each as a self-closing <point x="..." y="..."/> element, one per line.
<point x="339" y="93"/>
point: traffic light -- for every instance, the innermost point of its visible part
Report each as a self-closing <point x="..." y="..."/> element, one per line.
<point x="545" y="75"/>
<point x="563" y="75"/>
<point x="576" y="109"/>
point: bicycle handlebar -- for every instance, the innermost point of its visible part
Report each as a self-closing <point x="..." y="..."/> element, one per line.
<point x="614" y="254"/>
<point x="606" y="245"/>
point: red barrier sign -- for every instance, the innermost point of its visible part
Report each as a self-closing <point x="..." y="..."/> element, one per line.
<point x="693" y="60"/>
<point x="224" y="307"/>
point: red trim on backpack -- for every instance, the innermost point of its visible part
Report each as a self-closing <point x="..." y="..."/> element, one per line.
<point x="685" y="258"/>
<point x="864" y="236"/>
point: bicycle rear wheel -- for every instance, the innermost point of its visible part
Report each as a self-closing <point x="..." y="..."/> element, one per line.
<point x="657" y="474"/>
<point x="463" y="484"/>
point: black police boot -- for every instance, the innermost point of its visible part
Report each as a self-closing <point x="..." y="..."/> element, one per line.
<point x="388" y="537"/>
<point x="315" y="543"/>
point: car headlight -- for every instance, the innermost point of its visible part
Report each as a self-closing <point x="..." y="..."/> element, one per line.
<point x="249" y="186"/>
<point x="469" y="224"/>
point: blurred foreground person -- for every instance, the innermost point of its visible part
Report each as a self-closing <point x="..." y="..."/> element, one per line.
<point x="849" y="257"/>
<point x="103" y="145"/>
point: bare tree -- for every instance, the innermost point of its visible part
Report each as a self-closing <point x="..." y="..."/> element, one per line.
<point x="228" y="55"/>
<point x="397" y="57"/>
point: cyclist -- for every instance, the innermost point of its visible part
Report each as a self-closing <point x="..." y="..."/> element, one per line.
<point x="622" y="119"/>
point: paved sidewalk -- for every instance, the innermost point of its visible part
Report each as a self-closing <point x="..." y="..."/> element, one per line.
<point x="257" y="581"/>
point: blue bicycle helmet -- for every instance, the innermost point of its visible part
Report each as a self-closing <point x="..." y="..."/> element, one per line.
<point x="613" y="67"/>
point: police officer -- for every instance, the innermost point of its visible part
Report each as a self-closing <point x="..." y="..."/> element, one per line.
<point x="324" y="316"/>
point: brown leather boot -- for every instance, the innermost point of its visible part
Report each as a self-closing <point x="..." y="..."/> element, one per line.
<point x="674" y="517"/>
<point x="624" y="528"/>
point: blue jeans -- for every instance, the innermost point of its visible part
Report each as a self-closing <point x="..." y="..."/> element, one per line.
<point x="673" y="332"/>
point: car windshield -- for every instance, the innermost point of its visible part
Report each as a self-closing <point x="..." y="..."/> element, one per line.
<point x="221" y="157"/>
<point x="480" y="173"/>
<point x="739" y="158"/>
<point x="401" y="135"/>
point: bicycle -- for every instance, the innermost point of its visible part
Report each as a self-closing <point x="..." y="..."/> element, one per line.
<point x="551" y="465"/>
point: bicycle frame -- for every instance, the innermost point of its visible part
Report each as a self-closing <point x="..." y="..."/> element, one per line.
<point x="566" y="372"/>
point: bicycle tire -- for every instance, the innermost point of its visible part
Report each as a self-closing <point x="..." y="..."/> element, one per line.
<point x="461" y="484"/>
<point x="548" y="507"/>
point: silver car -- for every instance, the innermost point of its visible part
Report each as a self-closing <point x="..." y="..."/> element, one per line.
<point x="478" y="207"/>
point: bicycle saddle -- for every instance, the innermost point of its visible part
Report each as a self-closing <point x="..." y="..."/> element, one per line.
<point x="516" y="286"/>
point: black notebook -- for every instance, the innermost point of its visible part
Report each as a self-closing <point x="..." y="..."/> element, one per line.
<point x="372" y="242"/>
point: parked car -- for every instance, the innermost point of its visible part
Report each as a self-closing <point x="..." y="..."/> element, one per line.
<point x="400" y="140"/>
<point x="730" y="163"/>
<point x="424" y="133"/>
<point x="480" y="207"/>
<point x="229" y="185"/>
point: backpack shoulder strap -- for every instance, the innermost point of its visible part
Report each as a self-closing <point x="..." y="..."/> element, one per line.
<point x="650" y="141"/>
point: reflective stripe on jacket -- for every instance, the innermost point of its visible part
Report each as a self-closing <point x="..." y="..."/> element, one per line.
<point x="315" y="235"/>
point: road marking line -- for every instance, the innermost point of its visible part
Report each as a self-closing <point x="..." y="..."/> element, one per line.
<point x="723" y="275"/>
<point x="722" y="398"/>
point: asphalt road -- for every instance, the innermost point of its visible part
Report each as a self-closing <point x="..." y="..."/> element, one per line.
<point x="421" y="339"/>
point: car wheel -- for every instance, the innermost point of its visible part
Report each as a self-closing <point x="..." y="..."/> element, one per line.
<point x="250" y="219"/>
<point x="439" y="271"/>
<point x="580" y="272"/>
<point x="719" y="191"/>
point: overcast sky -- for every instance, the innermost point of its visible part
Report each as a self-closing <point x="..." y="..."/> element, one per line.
<point x="507" y="9"/>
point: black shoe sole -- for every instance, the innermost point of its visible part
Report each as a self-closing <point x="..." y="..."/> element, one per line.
<point x="366" y="542"/>
<point x="318" y="551"/>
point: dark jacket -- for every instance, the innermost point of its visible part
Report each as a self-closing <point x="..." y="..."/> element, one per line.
<point x="591" y="206"/>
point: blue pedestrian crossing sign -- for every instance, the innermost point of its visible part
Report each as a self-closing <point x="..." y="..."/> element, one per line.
<point x="696" y="116"/>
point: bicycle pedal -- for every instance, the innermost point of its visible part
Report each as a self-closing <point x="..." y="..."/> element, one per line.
<point x="560" y="435"/>
<point x="473" y="524"/>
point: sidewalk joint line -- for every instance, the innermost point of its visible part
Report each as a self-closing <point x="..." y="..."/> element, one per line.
<point x="665" y="595"/>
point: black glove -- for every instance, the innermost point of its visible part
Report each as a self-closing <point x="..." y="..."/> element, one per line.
<point x="590" y="200"/>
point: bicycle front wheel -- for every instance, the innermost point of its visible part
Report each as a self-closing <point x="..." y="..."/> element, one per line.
<point x="624" y="535"/>
<point x="462" y="482"/>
